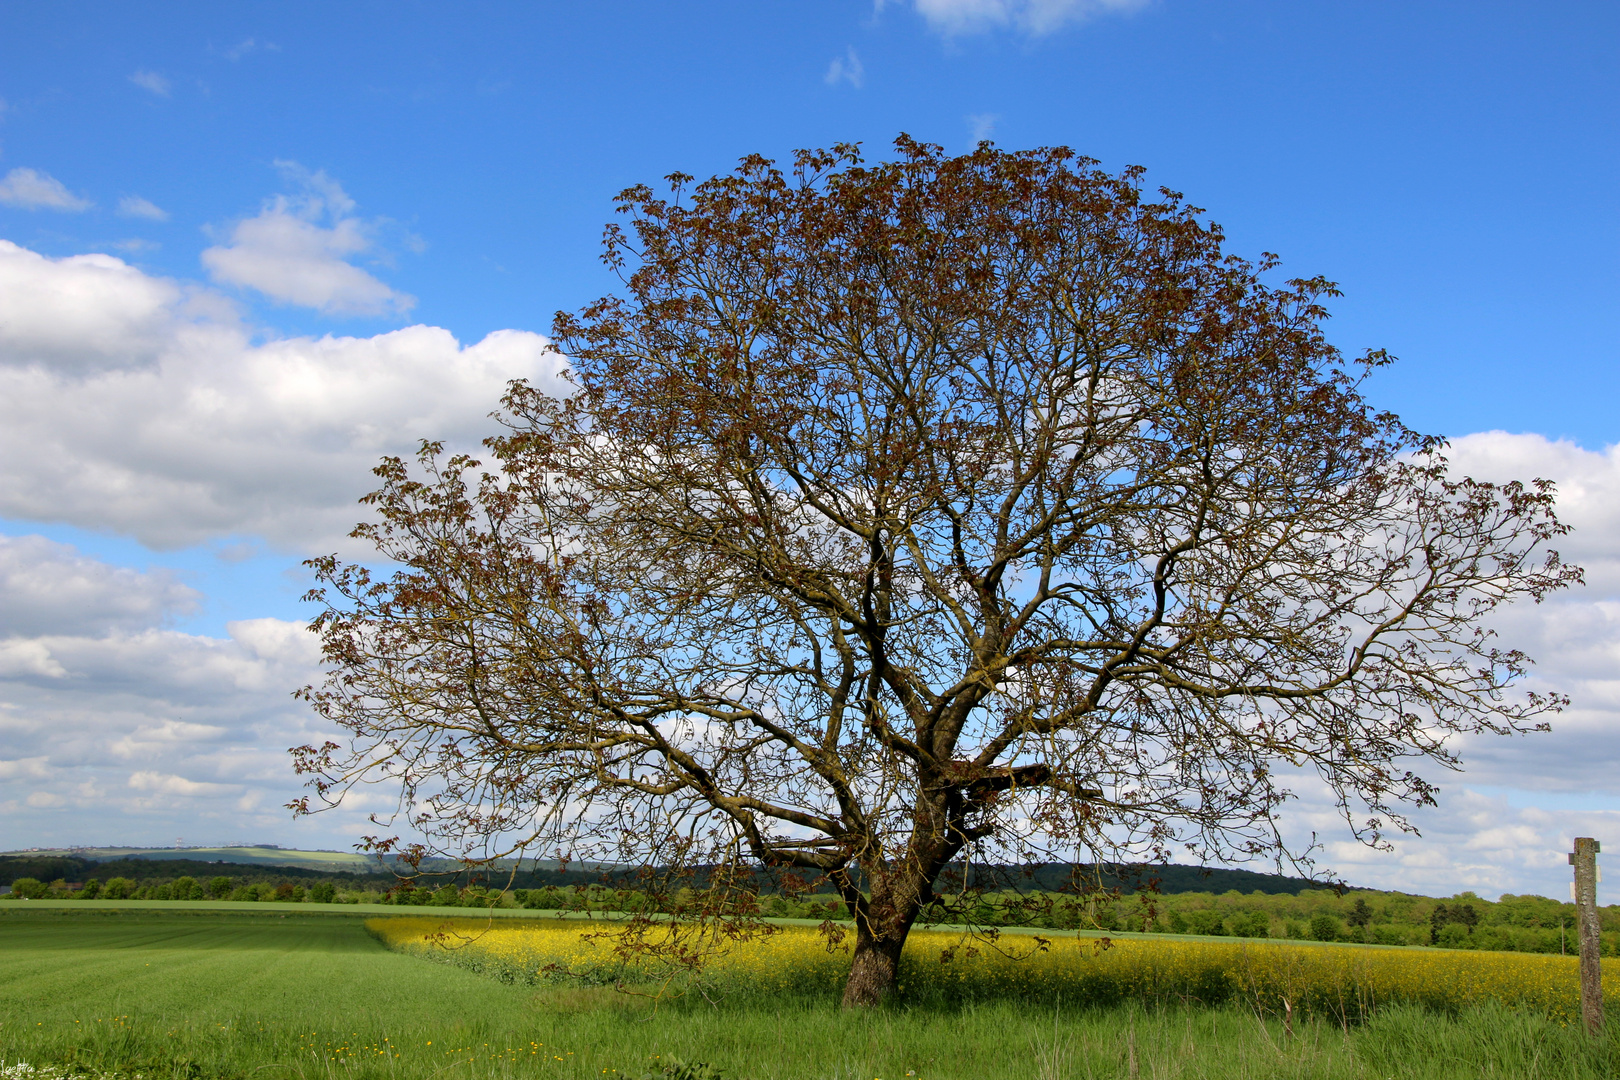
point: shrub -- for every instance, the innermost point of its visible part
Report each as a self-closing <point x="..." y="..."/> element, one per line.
<point x="219" y="888"/>
<point x="322" y="893"/>
<point x="1387" y="935"/>
<point x="1325" y="927"/>
<point x="118" y="888"/>
<point x="186" y="888"/>
<point x="548" y="898"/>
<point x="91" y="890"/>
<point x="1454" y="936"/>
<point x="1251" y="924"/>
<point x="27" y="888"/>
<point x="1209" y="922"/>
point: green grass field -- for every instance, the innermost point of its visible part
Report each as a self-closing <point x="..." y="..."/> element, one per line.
<point x="200" y="991"/>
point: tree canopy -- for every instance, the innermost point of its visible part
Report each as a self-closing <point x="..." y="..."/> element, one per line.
<point x="904" y="512"/>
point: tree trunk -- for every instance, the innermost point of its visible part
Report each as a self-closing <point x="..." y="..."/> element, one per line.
<point x="873" y="971"/>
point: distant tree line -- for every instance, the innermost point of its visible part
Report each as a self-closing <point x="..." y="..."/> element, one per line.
<point x="1513" y="923"/>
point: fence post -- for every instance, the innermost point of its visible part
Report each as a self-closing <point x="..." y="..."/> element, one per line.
<point x="1584" y="860"/>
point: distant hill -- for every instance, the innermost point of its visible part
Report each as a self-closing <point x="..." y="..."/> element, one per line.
<point x="266" y="864"/>
<point x="1168" y="877"/>
<point x="257" y="856"/>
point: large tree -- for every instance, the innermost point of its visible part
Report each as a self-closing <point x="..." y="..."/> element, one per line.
<point x="903" y="511"/>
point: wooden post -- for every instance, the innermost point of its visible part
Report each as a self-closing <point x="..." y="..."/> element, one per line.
<point x="1584" y="860"/>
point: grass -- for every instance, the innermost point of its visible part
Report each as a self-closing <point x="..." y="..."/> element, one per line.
<point x="198" y="992"/>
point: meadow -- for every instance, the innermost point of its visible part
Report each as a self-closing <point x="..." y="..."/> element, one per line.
<point x="199" y="991"/>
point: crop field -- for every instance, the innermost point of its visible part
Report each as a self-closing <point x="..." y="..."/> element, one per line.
<point x="310" y="992"/>
<point x="1337" y="982"/>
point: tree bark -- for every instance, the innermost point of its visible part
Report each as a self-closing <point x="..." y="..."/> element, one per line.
<point x="875" y="967"/>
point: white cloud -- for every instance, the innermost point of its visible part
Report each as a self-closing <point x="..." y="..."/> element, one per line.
<point x="1574" y="636"/>
<point x="28" y="658"/>
<point x="35" y="768"/>
<point x="132" y="404"/>
<point x="956" y="17"/>
<point x="1588" y="491"/>
<point x="151" y="81"/>
<point x="847" y="68"/>
<point x="30" y="189"/>
<point x="137" y="207"/>
<point x="150" y="733"/>
<point x="1477" y="840"/>
<point x="1505" y="821"/>
<point x="286" y="253"/>
<point x="250" y="45"/>
<point x="109" y="721"/>
<point x="981" y="125"/>
<point x="134" y="245"/>
<point x="84" y="313"/>
<point x="168" y="784"/>
<point x="50" y="588"/>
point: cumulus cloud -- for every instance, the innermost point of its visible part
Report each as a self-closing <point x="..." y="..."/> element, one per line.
<point x="28" y="658"/>
<point x="140" y="405"/>
<point x="1574" y="636"/>
<point x="129" y="403"/>
<point x="109" y="721"/>
<point x="297" y="251"/>
<point x="106" y="717"/>
<point x="959" y="17"/>
<point x="1478" y="839"/>
<point x="158" y="783"/>
<point x="1506" y="820"/>
<point x="145" y="734"/>
<point x="151" y="81"/>
<point x="50" y="588"/>
<point x="847" y="68"/>
<point x="136" y="207"/>
<point x="84" y="313"/>
<point x="30" y="189"/>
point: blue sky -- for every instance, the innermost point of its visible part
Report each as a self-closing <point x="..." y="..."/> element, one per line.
<point x="266" y="175"/>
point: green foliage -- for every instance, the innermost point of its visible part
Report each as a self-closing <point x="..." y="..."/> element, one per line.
<point x="118" y="888"/>
<point x="322" y="893"/>
<point x="1250" y="924"/>
<point x="29" y="889"/>
<point x="1325" y="927"/>
<point x="675" y="1069"/>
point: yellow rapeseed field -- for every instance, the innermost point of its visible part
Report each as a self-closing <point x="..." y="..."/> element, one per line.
<point x="1349" y="981"/>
